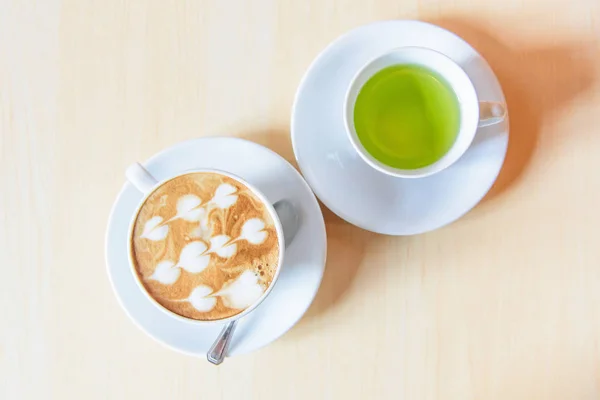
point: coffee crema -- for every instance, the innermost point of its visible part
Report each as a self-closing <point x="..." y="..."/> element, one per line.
<point x="205" y="246"/>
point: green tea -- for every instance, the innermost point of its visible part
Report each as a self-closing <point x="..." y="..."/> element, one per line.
<point x="406" y="116"/>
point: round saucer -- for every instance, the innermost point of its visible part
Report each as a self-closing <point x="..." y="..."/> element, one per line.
<point x="351" y="188"/>
<point x="301" y="272"/>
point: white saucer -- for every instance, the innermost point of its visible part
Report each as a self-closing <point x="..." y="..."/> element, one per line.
<point x="304" y="258"/>
<point x="350" y="187"/>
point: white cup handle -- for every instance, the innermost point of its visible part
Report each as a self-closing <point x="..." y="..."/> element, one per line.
<point x="491" y="112"/>
<point x="140" y="178"/>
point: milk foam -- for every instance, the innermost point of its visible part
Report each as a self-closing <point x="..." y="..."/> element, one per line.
<point x="195" y="257"/>
<point x="165" y="273"/>
<point x="242" y="292"/>
<point x="224" y="196"/>
<point x="239" y="293"/>
<point x="201" y="300"/>
<point x="209" y="248"/>
<point x="190" y="208"/>
<point x="153" y="229"/>
<point x="253" y="231"/>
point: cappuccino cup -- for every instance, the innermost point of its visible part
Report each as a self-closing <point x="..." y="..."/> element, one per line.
<point x="205" y="246"/>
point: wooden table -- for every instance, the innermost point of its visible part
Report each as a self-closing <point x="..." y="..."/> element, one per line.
<point x="503" y="304"/>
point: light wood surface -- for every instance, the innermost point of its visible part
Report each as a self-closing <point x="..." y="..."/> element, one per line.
<point x="503" y="304"/>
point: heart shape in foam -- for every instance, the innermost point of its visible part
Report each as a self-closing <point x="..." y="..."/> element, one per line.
<point x="188" y="208"/>
<point x="192" y="257"/>
<point x="153" y="229"/>
<point x="165" y="273"/>
<point x="224" y="196"/>
<point x="219" y="245"/>
<point x="241" y="293"/>
<point x="253" y="231"/>
<point x="200" y="298"/>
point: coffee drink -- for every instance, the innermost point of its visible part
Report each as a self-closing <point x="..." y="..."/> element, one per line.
<point x="205" y="246"/>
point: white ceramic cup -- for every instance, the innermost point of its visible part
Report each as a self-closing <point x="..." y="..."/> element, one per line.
<point x="147" y="184"/>
<point x="473" y="112"/>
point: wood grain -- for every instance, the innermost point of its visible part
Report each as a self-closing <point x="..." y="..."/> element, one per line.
<point x="503" y="304"/>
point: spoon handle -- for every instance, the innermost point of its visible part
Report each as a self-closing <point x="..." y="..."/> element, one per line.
<point x="216" y="354"/>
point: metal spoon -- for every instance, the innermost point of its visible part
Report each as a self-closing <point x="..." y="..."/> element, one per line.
<point x="290" y="221"/>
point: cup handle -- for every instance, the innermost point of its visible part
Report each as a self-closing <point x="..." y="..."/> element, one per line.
<point x="140" y="178"/>
<point x="491" y="112"/>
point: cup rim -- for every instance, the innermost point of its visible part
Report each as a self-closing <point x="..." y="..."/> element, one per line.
<point x="276" y="223"/>
<point x="348" y="113"/>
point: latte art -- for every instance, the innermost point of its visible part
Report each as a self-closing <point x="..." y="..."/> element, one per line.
<point x="205" y="246"/>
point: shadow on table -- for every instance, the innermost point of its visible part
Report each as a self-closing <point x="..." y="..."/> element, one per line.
<point x="346" y="246"/>
<point x="537" y="83"/>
